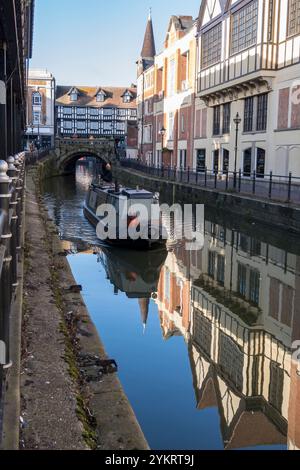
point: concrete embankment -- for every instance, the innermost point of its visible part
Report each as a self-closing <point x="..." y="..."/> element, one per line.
<point x="285" y="216"/>
<point x="71" y="397"/>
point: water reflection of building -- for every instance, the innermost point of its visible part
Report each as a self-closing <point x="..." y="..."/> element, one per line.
<point x="236" y="302"/>
<point x="135" y="273"/>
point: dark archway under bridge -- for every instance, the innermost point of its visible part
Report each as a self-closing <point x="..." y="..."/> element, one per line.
<point x="62" y="159"/>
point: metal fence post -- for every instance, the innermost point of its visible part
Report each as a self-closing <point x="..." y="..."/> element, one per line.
<point x="253" y="182"/>
<point x="270" y="184"/>
<point x="289" y="187"/>
<point x="216" y="179"/>
<point x="5" y="282"/>
<point x="226" y="180"/>
<point x="188" y="174"/>
<point x="240" y="180"/>
<point x="205" y="177"/>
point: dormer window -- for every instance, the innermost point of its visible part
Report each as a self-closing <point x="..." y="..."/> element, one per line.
<point x="36" y="98"/>
<point x="73" y="93"/>
<point x="127" y="97"/>
<point x="100" y="97"/>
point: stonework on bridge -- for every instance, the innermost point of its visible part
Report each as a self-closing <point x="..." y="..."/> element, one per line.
<point x="62" y="159"/>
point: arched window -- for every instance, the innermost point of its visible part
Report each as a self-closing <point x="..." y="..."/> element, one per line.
<point x="36" y="98"/>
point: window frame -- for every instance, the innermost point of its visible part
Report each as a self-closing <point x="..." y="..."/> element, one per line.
<point x="297" y="31"/>
<point x="217" y="56"/>
<point x="36" y="94"/>
<point x="233" y="51"/>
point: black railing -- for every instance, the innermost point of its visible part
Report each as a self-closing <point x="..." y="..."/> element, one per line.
<point x="267" y="186"/>
<point x="11" y="207"/>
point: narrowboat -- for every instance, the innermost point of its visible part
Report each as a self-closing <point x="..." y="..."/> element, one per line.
<point x="129" y="227"/>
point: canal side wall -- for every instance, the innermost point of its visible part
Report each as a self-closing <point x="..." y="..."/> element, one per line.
<point x="285" y="216"/>
<point x="67" y="400"/>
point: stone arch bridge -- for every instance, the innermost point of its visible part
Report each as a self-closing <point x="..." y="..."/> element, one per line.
<point x="62" y="159"/>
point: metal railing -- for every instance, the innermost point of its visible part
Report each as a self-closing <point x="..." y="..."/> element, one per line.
<point x="267" y="186"/>
<point x="12" y="176"/>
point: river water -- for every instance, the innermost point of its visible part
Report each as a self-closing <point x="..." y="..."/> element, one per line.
<point x="203" y="338"/>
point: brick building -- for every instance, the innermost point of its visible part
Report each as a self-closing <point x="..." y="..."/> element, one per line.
<point x="166" y="89"/>
<point x="40" y="108"/>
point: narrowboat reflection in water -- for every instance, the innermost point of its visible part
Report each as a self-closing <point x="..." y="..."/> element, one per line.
<point x="134" y="273"/>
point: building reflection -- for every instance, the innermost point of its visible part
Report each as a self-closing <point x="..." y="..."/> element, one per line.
<point x="236" y="303"/>
<point x="134" y="273"/>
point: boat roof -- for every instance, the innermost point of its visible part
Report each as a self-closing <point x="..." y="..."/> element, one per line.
<point x="128" y="192"/>
<point x="137" y="193"/>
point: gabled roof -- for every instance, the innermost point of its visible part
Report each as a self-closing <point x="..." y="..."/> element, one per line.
<point x="180" y="22"/>
<point x="100" y="91"/>
<point x="127" y="92"/>
<point x="211" y="9"/>
<point x="73" y="90"/>
<point x="87" y="96"/>
<point x="148" y="50"/>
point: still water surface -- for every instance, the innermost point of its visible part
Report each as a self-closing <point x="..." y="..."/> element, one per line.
<point x="202" y="338"/>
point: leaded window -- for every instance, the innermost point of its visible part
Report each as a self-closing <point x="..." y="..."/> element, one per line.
<point x="293" y="17"/>
<point x="216" y="120"/>
<point x="211" y="46"/>
<point x="226" y="118"/>
<point x="248" y="114"/>
<point x="244" y="27"/>
<point x="262" y="110"/>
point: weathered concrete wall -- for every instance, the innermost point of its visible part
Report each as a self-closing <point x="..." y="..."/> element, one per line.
<point x="271" y="213"/>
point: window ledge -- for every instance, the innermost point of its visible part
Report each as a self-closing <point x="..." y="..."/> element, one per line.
<point x="287" y="129"/>
<point x="253" y="132"/>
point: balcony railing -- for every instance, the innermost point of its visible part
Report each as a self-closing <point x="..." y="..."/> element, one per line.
<point x="266" y="186"/>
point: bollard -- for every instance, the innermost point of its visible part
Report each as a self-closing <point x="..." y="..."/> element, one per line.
<point x="5" y="283"/>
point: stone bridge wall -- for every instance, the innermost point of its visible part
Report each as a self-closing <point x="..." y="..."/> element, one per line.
<point x="62" y="159"/>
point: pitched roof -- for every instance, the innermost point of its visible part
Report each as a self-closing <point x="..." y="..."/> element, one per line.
<point x="148" y="50"/>
<point x="87" y="96"/>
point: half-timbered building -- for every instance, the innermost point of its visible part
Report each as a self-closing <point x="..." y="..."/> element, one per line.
<point x="95" y="112"/>
<point x="248" y="63"/>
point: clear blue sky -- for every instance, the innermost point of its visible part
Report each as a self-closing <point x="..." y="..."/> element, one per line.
<point x="97" y="42"/>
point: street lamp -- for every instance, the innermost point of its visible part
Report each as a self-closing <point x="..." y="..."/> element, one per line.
<point x="237" y="120"/>
<point x="162" y="133"/>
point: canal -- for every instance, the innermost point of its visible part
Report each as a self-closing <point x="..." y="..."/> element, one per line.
<point x="203" y="339"/>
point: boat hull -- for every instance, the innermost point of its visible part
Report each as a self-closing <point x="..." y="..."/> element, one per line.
<point x="140" y="244"/>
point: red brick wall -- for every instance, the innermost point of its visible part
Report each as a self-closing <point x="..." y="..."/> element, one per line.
<point x="201" y="123"/>
<point x="295" y="99"/>
<point x="132" y="135"/>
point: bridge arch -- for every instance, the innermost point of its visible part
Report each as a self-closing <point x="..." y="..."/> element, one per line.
<point x="69" y="151"/>
<point x="68" y="165"/>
